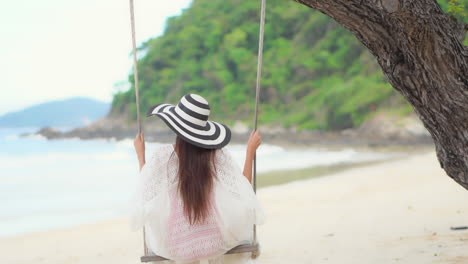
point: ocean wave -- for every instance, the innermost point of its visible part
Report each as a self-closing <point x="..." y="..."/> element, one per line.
<point x="51" y="159"/>
<point x="34" y="137"/>
<point x="11" y="137"/>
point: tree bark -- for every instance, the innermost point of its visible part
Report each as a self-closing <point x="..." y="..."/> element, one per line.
<point x="420" y="50"/>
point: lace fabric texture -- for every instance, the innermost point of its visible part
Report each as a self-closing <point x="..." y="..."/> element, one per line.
<point x="158" y="206"/>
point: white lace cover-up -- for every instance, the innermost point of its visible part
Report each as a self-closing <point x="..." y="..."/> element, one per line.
<point x="158" y="206"/>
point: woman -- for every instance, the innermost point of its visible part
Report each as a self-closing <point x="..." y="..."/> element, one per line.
<point x="192" y="198"/>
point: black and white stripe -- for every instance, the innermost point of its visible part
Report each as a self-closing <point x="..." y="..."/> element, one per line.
<point x="189" y="119"/>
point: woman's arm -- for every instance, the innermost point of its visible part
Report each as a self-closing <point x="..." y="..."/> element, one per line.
<point x="254" y="142"/>
<point x="139" y="144"/>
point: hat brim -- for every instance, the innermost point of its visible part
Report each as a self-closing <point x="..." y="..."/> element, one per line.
<point x="212" y="136"/>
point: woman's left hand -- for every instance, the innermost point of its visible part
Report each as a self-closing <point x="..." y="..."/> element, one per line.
<point x="139" y="144"/>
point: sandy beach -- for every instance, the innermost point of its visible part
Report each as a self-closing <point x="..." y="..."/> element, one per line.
<point x="399" y="211"/>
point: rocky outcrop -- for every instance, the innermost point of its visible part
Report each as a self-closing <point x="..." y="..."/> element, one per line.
<point x="379" y="130"/>
<point x="385" y="126"/>
<point x="49" y="133"/>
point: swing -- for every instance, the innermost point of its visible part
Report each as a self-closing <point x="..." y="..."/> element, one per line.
<point x="254" y="247"/>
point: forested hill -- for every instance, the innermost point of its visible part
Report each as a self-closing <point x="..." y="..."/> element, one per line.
<point x="316" y="74"/>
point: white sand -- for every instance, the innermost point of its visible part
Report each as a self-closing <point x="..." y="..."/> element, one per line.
<point x="396" y="212"/>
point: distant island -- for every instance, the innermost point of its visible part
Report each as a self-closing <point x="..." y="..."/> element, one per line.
<point x="71" y="112"/>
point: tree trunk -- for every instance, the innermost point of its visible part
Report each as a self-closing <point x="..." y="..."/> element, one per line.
<point x="420" y="50"/>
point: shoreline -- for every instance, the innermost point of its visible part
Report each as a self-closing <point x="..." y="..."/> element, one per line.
<point x="348" y="138"/>
<point x="381" y="130"/>
<point x="398" y="211"/>
<point x="275" y="178"/>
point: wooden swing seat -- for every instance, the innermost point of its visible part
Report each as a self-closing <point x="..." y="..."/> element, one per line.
<point x="254" y="248"/>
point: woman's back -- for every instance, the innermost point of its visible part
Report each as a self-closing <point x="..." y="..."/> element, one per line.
<point x="192" y="241"/>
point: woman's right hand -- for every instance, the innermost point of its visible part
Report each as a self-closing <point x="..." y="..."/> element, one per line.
<point x="254" y="142"/>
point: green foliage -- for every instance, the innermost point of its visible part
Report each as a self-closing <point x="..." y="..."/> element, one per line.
<point x="316" y="74"/>
<point x="457" y="8"/>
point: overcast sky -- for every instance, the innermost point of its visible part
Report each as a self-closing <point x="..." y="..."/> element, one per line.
<point x="54" y="49"/>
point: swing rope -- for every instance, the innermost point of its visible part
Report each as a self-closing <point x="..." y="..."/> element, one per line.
<point x="257" y="94"/>
<point x="137" y="92"/>
<point x="239" y="249"/>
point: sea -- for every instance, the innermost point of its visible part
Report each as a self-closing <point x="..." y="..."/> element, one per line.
<point x="47" y="184"/>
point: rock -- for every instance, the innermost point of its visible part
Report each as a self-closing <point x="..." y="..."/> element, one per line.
<point x="240" y="128"/>
<point x="349" y="132"/>
<point x="386" y="126"/>
<point x="49" y="133"/>
<point x="272" y="130"/>
<point x="415" y="127"/>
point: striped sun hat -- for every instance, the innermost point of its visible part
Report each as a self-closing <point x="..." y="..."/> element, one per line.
<point x="189" y="120"/>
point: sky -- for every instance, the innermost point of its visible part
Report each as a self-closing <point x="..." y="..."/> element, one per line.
<point x="57" y="49"/>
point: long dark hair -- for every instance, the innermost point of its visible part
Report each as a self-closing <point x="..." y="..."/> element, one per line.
<point x="196" y="176"/>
